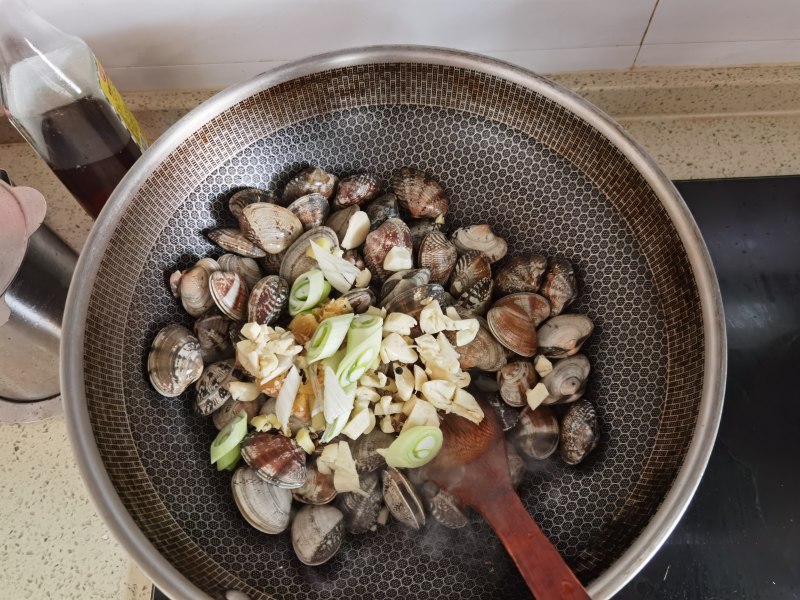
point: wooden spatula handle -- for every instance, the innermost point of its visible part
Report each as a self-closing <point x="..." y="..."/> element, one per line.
<point x="545" y="572"/>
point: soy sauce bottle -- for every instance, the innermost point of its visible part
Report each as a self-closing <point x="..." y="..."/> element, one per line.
<point x="58" y="96"/>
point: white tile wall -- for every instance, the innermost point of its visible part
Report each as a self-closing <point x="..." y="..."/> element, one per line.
<point x="198" y="43"/>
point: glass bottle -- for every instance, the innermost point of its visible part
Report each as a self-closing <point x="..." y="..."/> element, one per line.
<point x="58" y="96"/>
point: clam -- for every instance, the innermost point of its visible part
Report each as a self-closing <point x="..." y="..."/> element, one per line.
<point x="382" y="208"/>
<point x="559" y="285"/>
<point x="242" y="198"/>
<point x="229" y="292"/>
<point x="410" y="301"/>
<point x="340" y="220"/>
<point x="506" y="415"/>
<point x="265" y="506"/>
<point x="477" y="298"/>
<point x="317" y="533"/>
<point x="563" y="335"/>
<point x="439" y="255"/>
<point x="312" y="210"/>
<point x="271" y="263"/>
<point x="361" y="510"/>
<point x="443" y="506"/>
<point x="567" y="381"/>
<point x="309" y="181"/>
<point x="420" y="195"/>
<point x="580" y="432"/>
<point x="514" y="380"/>
<point x="393" y="233"/>
<point x="277" y="459"/>
<point x="316" y="489"/>
<point x="247" y="268"/>
<point x="513" y="320"/>
<point x="296" y="259"/>
<point x="355" y="190"/>
<point x="267" y="300"/>
<point x="365" y="450"/>
<point x="211" y="390"/>
<point x="520" y="274"/>
<point x="212" y="331"/>
<point x="174" y="362"/>
<point x="359" y="299"/>
<point x="536" y="434"/>
<point x="269" y="226"/>
<point x="480" y="237"/>
<point x="516" y="466"/>
<point x="353" y="256"/>
<point x="419" y="228"/>
<point x="469" y="269"/>
<point x="402" y="281"/>
<point x="175" y="283"/>
<point x="484" y="352"/>
<point x="223" y="415"/>
<point x="233" y="240"/>
<point x="402" y="499"/>
<point x="193" y="288"/>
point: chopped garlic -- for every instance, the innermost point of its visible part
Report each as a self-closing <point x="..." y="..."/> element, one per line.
<point x="243" y="391"/>
<point x="367" y="393"/>
<point x="386" y="425"/>
<point x="408" y="406"/>
<point x="423" y="413"/>
<point x="250" y="331"/>
<point x="536" y="395"/>
<point x="466" y="330"/>
<point x="465" y="405"/>
<point x="260" y="423"/>
<point x="359" y="421"/>
<point x="320" y="241"/>
<point x="360" y="404"/>
<point x="542" y="365"/>
<point x="374" y="310"/>
<point x="395" y="349"/>
<point x="399" y="323"/>
<point x="398" y="259"/>
<point x="405" y="383"/>
<point x="327" y="459"/>
<point x="373" y="380"/>
<point x="439" y="393"/>
<point x="303" y="438"/>
<point x="345" y="476"/>
<point x="372" y="422"/>
<point x="363" y="278"/>
<point x="461" y="379"/>
<point x="420" y="377"/>
<point x="432" y="319"/>
<point x="383" y="515"/>
<point x="357" y="230"/>
<point x="318" y="422"/>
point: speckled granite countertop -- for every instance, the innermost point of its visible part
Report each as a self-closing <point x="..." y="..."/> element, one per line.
<point x="697" y="123"/>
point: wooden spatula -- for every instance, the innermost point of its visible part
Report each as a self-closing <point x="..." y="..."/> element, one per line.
<point x="473" y="466"/>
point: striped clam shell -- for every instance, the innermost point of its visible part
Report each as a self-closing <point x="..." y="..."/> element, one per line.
<point x="269" y="226"/>
<point x="439" y="255"/>
<point x="213" y="333"/>
<point x="229" y="292"/>
<point x="174" y="361"/>
<point x="559" y="285"/>
<point x="477" y="298"/>
<point x="513" y="320"/>
<point x="309" y="181"/>
<point x="247" y="268"/>
<point x="267" y="300"/>
<point x="265" y="506"/>
<point x="242" y="198"/>
<point x="311" y="209"/>
<point x="355" y="190"/>
<point x="393" y="233"/>
<point x="211" y="390"/>
<point x="193" y="287"/>
<point x="276" y="459"/>
<point x="521" y="274"/>
<point x="420" y="195"/>
<point x="470" y="268"/>
<point x="233" y="240"/>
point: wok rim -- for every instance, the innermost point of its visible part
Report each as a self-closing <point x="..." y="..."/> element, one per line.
<point x="101" y="490"/>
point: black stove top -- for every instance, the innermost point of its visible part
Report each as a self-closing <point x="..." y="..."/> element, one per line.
<point x="740" y="537"/>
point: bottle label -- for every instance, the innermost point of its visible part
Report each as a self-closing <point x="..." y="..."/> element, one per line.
<point x="115" y="99"/>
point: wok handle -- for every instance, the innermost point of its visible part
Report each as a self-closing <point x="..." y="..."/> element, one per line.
<point x="541" y="565"/>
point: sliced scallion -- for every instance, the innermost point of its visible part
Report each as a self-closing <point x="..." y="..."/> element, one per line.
<point x="229" y="437"/>
<point x="359" y="359"/>
<point x="363" y="327"/>
<point x="414" y="447"/>
<point x="230" y="460"/>
<point x="328" y="336"/>
<point x="308" y="291"/>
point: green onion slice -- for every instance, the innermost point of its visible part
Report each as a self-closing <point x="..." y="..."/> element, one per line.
<point x="414" y="447"/>
<point x="327" y="338"/>
<point x="362" y="328"/>
<point x="358" y="359"/>
<point x="230" y="460"/>
<point x="308" y="291"/>
<point x="229" y="437"/>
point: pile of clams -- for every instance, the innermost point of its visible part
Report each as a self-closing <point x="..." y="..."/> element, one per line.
<point x="526" y="355"/>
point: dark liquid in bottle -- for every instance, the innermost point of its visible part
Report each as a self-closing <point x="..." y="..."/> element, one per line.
<point x="88" y="149"/>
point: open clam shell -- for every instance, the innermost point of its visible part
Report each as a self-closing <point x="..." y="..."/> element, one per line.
<point x="229" y="292"/>
<point x="361" y="510"/>
<point x="420" y="228"/>
<point x="537" y="433"/>
<point x="317" y="533"/>
<point x="480" y="237"/>
<point x="174" y="362"/>
<point x="267" y="300"/>
<point x="410" y="301"/>
<point x="439" y="255"/>
<point x="242" y="198"/>
<point x="471" y="267"/>
<point x="382" y="208"/>
<point x="421" y="195"/>
<point x="309" y="181"/>
<point x="515" y="379"/>
<point x="211" y="390"/>
<point x="393" y="233"/>
<point x="233" y="240"/>
<point x="520" y="274"/>
<point x="296" y="260"/>
<point x="277" y="459"/>
<point x="580" y="432"/>
<point x="402" y="499"/>
<point x="559" y="286"/>
<point x="247" y="268"/>
<point x="269" y="226"/>
<point x="316" y="489"/>
<point x="567" y="381"/>
<point x="402" y="281"/>
<point x="265" y="506"/>
<point x="312" y="210"/>
<point x="563" y="335"/>
<point x="443" y="506"/>
<point x="513" y="320"/>
<point x="355" y="190"/>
